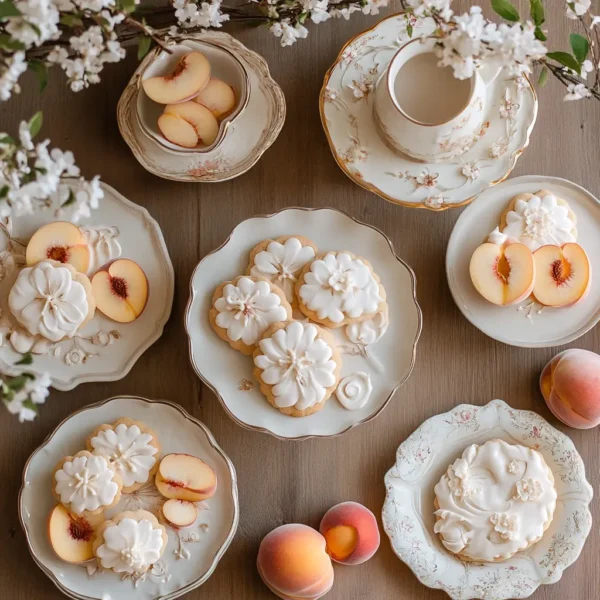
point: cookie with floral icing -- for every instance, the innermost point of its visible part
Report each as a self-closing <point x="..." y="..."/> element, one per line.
<point x="298" y="367"/>
<point x="338" y="288"/>
<point x="130" y="447"/>
<point x="281" y="260"/>
<point x="243" y="309"/>
<point x="86" y="484"/>
<point x="130" y="543"/>
<point x="496" y="500"/>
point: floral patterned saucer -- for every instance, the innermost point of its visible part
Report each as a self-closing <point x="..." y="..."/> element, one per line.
<point x="253" y="132"/>
<point x="346" y="109"/>
<point x="408" y="512"/>
<point x="103" y="350"/>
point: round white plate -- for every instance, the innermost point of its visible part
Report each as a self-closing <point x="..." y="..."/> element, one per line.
<point x="103" y="350"/>
<point x="346" y="108"/>
<point x="191" y="555"/>
<point x="524" y="325"/>
<point x="229" y="373"/>
<point x="408" y="511"/>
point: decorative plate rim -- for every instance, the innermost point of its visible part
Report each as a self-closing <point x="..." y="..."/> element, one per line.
<point x="301" y="438"/>
<point x="373" y="188"/>
<point x="212" y="441"/>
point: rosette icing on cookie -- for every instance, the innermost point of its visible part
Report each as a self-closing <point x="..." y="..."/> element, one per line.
<point x="339" y="286"/>
<point x="354" y="390"/>
<point x="495" y="500"/>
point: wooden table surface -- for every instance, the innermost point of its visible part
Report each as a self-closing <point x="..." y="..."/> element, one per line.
<point x="297" y="482"/>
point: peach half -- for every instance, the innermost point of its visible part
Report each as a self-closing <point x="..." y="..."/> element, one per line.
<point x="563" y="275"/>
<point x="570" y="384"/>
<point x="191" y="74"/>
<point x="294" y="564"/>
<point x="185" y="477"/>
<point x="188" y="124"/>
<point x="60" y="241"/>
<point x="179" y="513"/>
<point x="121" y="290"/>
<point x="503" y="275"/>
<point x="218" y="97"/>
<point x="351" y="532"/>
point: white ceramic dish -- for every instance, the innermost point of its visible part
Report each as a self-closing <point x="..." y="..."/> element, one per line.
<point x="524" y="325"/>
<point x="224" y="65"/>
<point x="103" y="350"/>
<point x="346" y="107"/>
<point x="229" y="374"/>
<point x="254" y="130"/>
<point x="424" y="457"/>
<point x="191" y="555"/>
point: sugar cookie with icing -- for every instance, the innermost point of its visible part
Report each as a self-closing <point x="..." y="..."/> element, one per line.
<point x="339" y="288"/>
<point x="130" y="447"/>
<point x="243" y="309"/>
<point x="281" y="261"/>
<point x="496" y="500"/>
<point x="131" y="542"/>
<point x="297" y="366"/>
<point x="86" y="484"/>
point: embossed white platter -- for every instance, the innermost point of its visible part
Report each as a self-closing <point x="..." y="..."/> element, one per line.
<point x="346" y="107"/>
<point x="408" y="512"/>
<point x="389" y="361"/>
<point x="245" y="141"/>
<point x="528" y="324"/>
<point x="192" y="554"/>
<point x="103" y="350"/>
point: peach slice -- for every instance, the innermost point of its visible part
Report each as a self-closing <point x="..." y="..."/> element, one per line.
<point x="120" y="289"/>
<point x="503" y="276"/>
<point x="563" y="275"/>
<point x="180" y="513"/>
<point x="199" y="117"/>
<point x="178" y="131"/>
<point x="72" y="537"/>
<point x="191" y="74"/>
<point x="218" y="97"/>
<point x="61" y="241"/>
<point x="185" y="477"/>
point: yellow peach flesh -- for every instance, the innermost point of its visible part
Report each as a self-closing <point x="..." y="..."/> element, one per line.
<point x="341" y="541"/>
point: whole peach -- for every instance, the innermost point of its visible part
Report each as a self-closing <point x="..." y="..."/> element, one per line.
<point x="293" y="563"/>
<point x="570" y="384"/>
<point x="351" y="532"/>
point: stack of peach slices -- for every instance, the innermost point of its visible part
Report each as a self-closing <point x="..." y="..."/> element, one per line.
<point x="195" y="102"/>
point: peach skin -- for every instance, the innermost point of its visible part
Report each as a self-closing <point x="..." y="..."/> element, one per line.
<point x="570" y="384"/>
<point x="293" y="563"/>
<point x="351" y="533"/>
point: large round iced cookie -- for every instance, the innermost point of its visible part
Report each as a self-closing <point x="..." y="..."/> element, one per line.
<point x="494" y="501"/>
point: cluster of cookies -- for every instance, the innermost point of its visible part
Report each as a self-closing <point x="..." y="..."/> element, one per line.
<point x="533" y="251"/>
<point x="119" y="459"/>
<point x="297" y="362"/>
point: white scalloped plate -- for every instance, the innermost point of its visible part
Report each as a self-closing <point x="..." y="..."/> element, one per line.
<point x="103" y="350"/>
<point x="424" y="457"/>
<point x="229" y="374"/>
<point x="190" y="557"/>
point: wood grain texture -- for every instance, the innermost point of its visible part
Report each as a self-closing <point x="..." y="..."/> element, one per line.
<point x="297" y="482"/>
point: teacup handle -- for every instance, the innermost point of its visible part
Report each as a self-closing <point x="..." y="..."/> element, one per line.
<point x="489" y="71"/>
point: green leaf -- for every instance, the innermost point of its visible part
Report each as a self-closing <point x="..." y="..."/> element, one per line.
<point x="16" y="384"/>
<point x="7" y="393"/>
<point x="409" y="30"/>
<point x="143" y="47"/>
<point x="8" y="9"/>
<point x="543" y="79"/>
<point x="580" y="46"/>
<point x="4" y="192"/>
<point x="71" y="20"/>
<point x="565" y="59"/>
<point x="69" y="200"/>
<point x="26" y="359"/>
<point x="31" y="406"/>
<point x="35" y="124"/>
<point x="537" y="11"/>
<point x="506" y="10"/>
<point x="302" y="18"/>
<point x="41" y="70"/>
<point x="540" y="35"/>
<point x="7" y="42"/>
<point x="7" y="139"/>
<point x="127" y="6"/>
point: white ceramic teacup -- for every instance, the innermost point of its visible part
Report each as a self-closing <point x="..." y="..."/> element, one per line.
<point x="424" y="111"/>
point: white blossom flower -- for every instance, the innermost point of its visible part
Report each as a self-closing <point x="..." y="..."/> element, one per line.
<point x="580" y="7"/>
<point x="191" y="14"/>
<point x="317" y="9"/>
<point x="528" y="489"/>
<point x="422" y="8"/>
<point x="37" y="388"/>
<point x="344" y="12"/>
<point x="506" y="525"/>
<point x="287" y="33"/>
<point x="14" y="66"/>
<point x="587" y="66"/>
<point x="471" y="171"/>
<point x="37" y="22"/>
<point x="577" y="91"/>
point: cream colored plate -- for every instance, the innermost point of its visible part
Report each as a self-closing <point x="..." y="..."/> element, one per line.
<point x="253" y="131"/>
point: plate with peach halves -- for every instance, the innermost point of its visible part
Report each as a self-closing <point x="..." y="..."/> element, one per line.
<point x="523" y="262"/>
<point x="129" y="496"/>
<point x="304" y="323"/>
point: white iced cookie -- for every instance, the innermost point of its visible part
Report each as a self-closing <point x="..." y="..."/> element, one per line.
<point x="281" y="261"/>
<point x="354" y="390"/>
<point x="339" y="288"/>
<point x="51" y="300"/>
<point x="244" y="308"/>
<point x="130" y="447"/>
<point x="297" y="366"/>
<point x="130" y="543"/>
<point x="86" y="484"/>
<point x="498" y="499"/>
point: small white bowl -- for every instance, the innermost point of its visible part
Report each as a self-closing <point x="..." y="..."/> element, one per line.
<point x="224" y="65"/>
